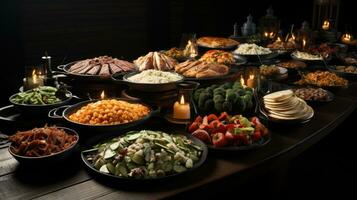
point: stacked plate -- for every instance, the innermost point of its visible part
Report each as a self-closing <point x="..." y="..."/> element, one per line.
<point x="285" y="106"/>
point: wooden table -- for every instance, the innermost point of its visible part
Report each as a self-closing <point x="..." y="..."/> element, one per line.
<point x="71" y="181"/>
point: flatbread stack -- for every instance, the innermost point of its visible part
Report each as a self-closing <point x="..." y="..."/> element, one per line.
<point x="284" y="105"/>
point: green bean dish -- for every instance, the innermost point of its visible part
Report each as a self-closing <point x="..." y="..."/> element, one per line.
<point x="38" y="96"/>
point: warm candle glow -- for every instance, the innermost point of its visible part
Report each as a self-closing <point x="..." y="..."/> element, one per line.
<point x="181" y="110"/>
<point x="346" y="37"/>
<point x="182" y="100"/>
<point x="326" y="25"/>
<point x="250" y="81"/>
<point x="278" y="39"/>
<point x="34" y="77"/>
<point x="102" y="95"/>
<point x="190" y="50"/>
<point x="303" y="43"/>
<point x="266" y="34"/>
<point x="271" y="35"/>
<point x="242" y="81"/>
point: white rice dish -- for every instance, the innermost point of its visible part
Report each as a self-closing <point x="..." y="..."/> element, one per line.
<point x="252" y="49"/>
<point x="306" y="56"/>
<point x="154" y="77"/>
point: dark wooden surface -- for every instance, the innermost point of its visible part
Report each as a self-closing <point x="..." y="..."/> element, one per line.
<point x="71" y="180"/>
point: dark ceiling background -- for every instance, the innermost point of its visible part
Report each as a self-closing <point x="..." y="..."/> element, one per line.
<point x="77" y="29"/>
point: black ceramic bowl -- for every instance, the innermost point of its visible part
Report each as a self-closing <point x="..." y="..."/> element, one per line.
<point x="49" y="159"/>
<point x="64" y="112"/>
<point x="145" y="87"/>
<point x="41" y="108"/>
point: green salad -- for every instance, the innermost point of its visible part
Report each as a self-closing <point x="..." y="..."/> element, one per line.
<point x="145" y="154"/>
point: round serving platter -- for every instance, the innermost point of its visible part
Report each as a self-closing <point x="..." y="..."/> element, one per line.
<point x="119" y="179"/>
<point x="65" y="111"/>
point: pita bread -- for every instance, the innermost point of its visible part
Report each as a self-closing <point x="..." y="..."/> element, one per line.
<point x="284" y="105"/>
<point x="278" y="96"/>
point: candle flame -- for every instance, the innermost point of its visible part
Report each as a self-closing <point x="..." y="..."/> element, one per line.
<point x="326" y="25"/>
<point x="34" y="76"/>
<point x="251" y="76"/>
<point x="102" y="95"/>
<point x="242" y="80"/>
<point x="266" y="34"/>
<point x="182" y="100"/>
<point x="346" y="37"/>
<point x="272" y="34"/>
<point x="303" y="43"/>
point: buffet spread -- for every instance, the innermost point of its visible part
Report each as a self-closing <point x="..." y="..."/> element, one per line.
<point x="234" y="111"/>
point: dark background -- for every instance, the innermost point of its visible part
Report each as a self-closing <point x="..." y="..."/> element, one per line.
<point x="77" y="29"/>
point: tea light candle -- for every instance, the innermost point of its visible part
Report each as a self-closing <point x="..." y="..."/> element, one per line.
<point x="346" y="38"/>
<point x="181" y="109"/>
<point x="326" y="25"/>
<point x="250" y="81"/>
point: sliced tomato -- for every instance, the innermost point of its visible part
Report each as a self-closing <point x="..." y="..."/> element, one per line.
<point x="194" y="126"/>
<point x="211" y="118"/>
<point x="202" y="135"/>
<point x="198" y="119"/>
<point x="223" y="116"/>
<point x="219" y="140"/>
<point x="256" y="136"/>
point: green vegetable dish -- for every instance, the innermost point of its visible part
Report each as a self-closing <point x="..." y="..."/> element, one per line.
<point x="145" y="155"/>
<point x="38" y="96"/>
<point x="229" y="97"/>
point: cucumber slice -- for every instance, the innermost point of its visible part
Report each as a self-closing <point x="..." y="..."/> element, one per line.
<point x="114" y="146"/>
<point x="109" y="154"/>
<point x="179" y="168"/>
<point x="133" y="136"/>
<point x="111" y="168"/>
<point x="104" y="169"/>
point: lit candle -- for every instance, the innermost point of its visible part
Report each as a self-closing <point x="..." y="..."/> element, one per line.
<point x="34" y="81"/>
<point x="266" y="34"/>
<point x="326" y="25"/>
<point x="346" y="37"/>
<point x="271" y="35"/>
<point x="102" y="95"/>
<point x="250" y="81"/>
<point x="242" y="82"/>
<point x="303" y="43"/>
<point x="181" y="109"/>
